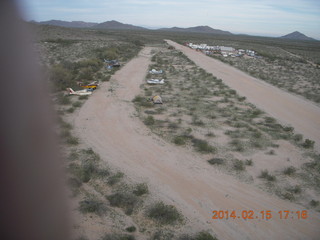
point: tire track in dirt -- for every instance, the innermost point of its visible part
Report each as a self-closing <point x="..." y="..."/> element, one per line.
<point x="290" y="109"/>
<point x="107" y="123"/>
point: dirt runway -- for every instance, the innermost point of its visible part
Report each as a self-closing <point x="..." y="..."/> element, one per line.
<point x="289" y="109"/>
<point x="107" y="123"/>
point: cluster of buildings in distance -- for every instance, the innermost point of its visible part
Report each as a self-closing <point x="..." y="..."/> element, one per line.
<point x="224" y="51"/>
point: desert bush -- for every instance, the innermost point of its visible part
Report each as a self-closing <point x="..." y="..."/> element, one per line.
<point x="131" y="229"/>
<point x="216" y="161"/>
<point x="248" y="162"/>
<point x="116" y="236"/>
<point x="61" y="77"/>
<point x="149" y="120"/>
<point x="289" y="171"/>
<point x="92" y="205"/>
<point x="115" y="178"/>
<point x="179" y="140"/>
<point x="199" y="236"/>
<point x="297" y="137"/>
<point x="197" y="122"/>
<point x="70" y="110"/>
<point x="204" y="236"/>
<point x="74" y="155"/>
<point x="141" y="189"/>
<point x="238" y="165"/>
<point x="64" y="99"/>
<point x="271" y="152"/>
<point x="203" y="146"/>
<point x="308" y="143"/>
<point x="106" y="78"/>
<point x="265" y="174"/>
<point x="65" y="126"/>
<point x="72" y="140"/>
<point x="288" y="196"/>
<point x="210" y="134"/>
<point x="237" y="145"/>
<point x="77" y="104"/>
<point x="164" y="214"/>
<point x="314" y="203"/>
<point x="87" y="170"/>
<point x="296" y="189"/>
<point x="124" y="200"/>
<point x="83" y="97"/>
<point x="162" y="234"/>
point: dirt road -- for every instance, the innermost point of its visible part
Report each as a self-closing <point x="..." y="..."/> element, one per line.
<point x="106" y="122"/>
<point x="289" y="109"/>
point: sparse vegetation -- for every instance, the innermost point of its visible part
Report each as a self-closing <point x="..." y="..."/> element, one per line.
<point x="164" y="214"/>
<point x="265" y="174"/>
<point x="125" y="200"/>
<point x="289" y="171"/>
<point x="216" y="161"/>
<point x="239" y="165"/>
<point x="92" y="205"/>
<point x="141" y="189"/>
<point x="203" y="146"/>
<point x="131" y="229"/>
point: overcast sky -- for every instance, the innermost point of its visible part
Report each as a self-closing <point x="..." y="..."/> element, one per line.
<point x="256" y="17"/>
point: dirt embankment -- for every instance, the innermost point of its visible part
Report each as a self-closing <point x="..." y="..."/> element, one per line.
<point x="107" y="123"/>
<point x="289" y="109"/>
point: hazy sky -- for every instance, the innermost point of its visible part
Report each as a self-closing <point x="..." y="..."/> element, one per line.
<point x="256" y="17"/>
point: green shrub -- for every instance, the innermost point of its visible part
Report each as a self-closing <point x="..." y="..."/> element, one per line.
<point x="265" y="174"/>
<point x="115" y="236"/>
<point x="204" y="236"/>
<point x="314" y="203"/>
<point x="64" y="99"/>
<point x="87" y="170"/>
<point x="308" y="143"/>
<point x="203" y="146"/>
<point x="248" y="162"/>
<point x="238" y="165"/>
<point x="91" y="205"/>
<point x="289" y="171"/>
<point x="216" y="161"/>
<point x="72" y="140"/>
<point x="76" y="104"/>
<point x="115" y="178"/>
<point x="66" y="126"/>
<point x="237" y="145"/>
<point x="288" y="196"/>
<point x="141" y="189"/>
<point x="199" y="236"/>
<point x="149" y="120"/>
<point x="164" y="214"/>
<point x="271" y="152"/>
<point x="297" y="137"/>
<point x="296" y="189"/>
<point x="179" y="140"/>
<point x="83" y="97"/>
<point x="131" y="229"/>
<point x="124" y="200"/>
<point x="70" y="110"/>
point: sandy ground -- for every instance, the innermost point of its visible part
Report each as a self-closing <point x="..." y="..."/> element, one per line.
<point x="107" y="123"/>
<point x="289" y="109"/>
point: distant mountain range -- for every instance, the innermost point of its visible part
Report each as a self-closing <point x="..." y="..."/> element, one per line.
<point x="73" y="24"/>
<point x="118" y="25"/>
<point x="297" y="36"/>
<point x="198" y="29"/>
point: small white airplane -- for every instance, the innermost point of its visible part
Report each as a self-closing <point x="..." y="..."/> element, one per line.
<point x="155" y="81"/>
<point x="153" y="71"/>
<point x="80" y="92"/>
